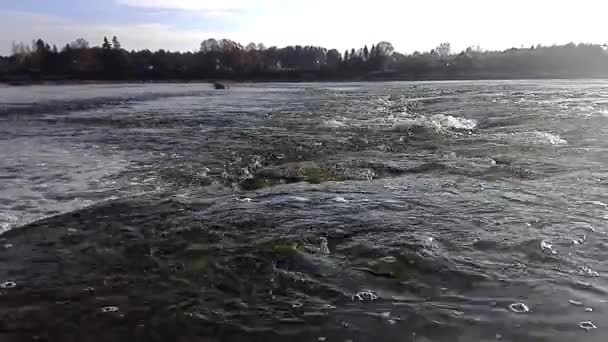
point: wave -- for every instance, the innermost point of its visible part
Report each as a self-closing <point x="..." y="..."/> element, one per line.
<point x="53" y="106"/>
<point x="454" y="122"/>
<point x="539" y="138"/>
<point x="439" y="123"/>
<point x="333" y="123"/>
<point x="11" y="222"/>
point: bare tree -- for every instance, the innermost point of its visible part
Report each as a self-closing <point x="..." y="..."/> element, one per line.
<point x="79" y="44"/>
<point x="444" y="49"/>
<point x="385" y="49"/>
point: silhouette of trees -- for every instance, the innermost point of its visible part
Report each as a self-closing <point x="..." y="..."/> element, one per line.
<point x="385" y="49"/>
<point x="79" y="44"/>
<point x="116" y="44"/>
<point x="251" y="47"/>
<point x="225" y="58"/>
<point x="333" y="58"/>
<point x="106" y="44"/>
<point x="443" y="50"/>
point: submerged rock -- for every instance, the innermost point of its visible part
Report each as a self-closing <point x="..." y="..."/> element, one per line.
<point x="220" y="86"/>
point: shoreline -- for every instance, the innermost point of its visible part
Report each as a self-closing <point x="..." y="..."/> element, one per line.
<point x="25" y="83"/>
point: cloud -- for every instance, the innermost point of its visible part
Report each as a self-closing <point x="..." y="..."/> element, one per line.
<point x="199" y="5"/>
<point x="409" y="25"/>
<point x="24" y="27"/>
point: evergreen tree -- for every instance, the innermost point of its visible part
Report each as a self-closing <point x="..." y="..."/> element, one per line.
<point x="366" y="53"/>
<point x="346" y="55"/>
<point x="39" y="45"/>
<point x="115" y="43"/>
<point x="106" y="44"/>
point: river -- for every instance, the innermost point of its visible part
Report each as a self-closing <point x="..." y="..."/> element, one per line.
<point x="405" y="211"/>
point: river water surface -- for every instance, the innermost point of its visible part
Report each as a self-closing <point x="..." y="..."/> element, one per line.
<point x="455" y="211"/>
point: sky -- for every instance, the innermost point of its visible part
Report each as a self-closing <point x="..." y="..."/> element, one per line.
<point x="411" y="25"/>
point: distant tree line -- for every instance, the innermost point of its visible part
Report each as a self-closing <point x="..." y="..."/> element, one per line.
<point x="226" y="59"/>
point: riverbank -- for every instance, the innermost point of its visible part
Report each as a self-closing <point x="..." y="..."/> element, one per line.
<point x="288" y="78"/>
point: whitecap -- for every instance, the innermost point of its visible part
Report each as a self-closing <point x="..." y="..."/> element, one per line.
<point x="408" y="124"/>
<point x="547" y="247"/>
<point x="340" y="199"/>
<point x="299" y="199"/>
<point x="365" y="296"/>
<point x="389" y="259"/>
<point x="598" y="203"/>
<point x="202" y="173"/>
<point x="438" y="123"/>
<point x="587" y="271"/>
<point x="333" y="123"/>
<point x="538" y="138"/>
<point x="454" y="122"/>
<point x="580" y="240"/>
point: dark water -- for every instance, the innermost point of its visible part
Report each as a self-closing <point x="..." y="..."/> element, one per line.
<point x="305" y="212"/>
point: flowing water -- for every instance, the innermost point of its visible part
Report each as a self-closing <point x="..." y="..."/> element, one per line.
<point x="456" y="211"/>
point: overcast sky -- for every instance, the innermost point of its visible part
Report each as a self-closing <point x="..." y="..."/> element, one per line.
<point x="409" y="25"/>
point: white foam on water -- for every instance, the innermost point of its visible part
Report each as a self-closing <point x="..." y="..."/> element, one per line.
<point x="7" y="222"/>
<point x="323" y="246"/>
<point x="598" y="203"/>
<point x="587" y="271"/>
<point x="537" y="138"/>
<point x="8" y="285"/>
<point x="365" y="296"/>
<point x="552" y="139"/>
<point x="547" y="247"/>
<point x="333" y="123"/>
<point x="439" y="123"/>
<point x="587" y="325"/>
<point x="340" y="199"/>
<point x="299" y="199"/>
<point x="519" y="308"/>
<point x="454" y="122"/>
<point x="389" y="259"/>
